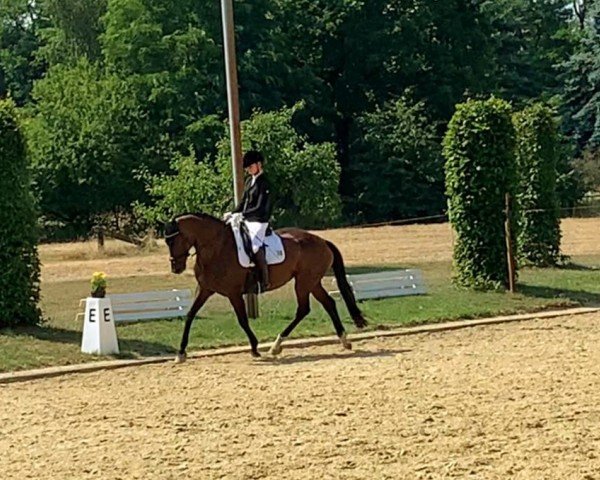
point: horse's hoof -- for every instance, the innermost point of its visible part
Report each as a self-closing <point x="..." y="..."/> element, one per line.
<point x="345" y="342"/>
<point x="255" y="354"/>
<point x="276" y="349"/>
<point x="180" y="358"/>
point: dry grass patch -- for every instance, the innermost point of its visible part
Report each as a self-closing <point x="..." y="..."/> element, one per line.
<point x="399" y="245"/>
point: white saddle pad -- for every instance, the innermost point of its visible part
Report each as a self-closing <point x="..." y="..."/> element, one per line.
<point x="274" y="250"/>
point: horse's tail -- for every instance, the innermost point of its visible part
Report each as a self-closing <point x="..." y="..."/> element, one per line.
<point x="345" y="289"/>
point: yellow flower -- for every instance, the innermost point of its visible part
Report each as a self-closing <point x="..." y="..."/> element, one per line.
<point x="98" y="280"/>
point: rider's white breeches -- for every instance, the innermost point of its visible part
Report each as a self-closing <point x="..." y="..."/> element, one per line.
<point x="257" y="232"/>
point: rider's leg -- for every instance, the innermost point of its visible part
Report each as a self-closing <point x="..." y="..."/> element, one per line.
<point x="261" y="263"/>
<point x="257" y="233"/>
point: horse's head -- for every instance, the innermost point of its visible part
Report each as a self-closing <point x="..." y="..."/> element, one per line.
<point x="179" y="246"/>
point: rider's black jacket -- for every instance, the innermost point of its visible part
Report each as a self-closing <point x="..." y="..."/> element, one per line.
<point x="255" y="204"/>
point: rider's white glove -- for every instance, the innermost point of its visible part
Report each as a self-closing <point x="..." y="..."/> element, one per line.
<point x="227" y="216"/>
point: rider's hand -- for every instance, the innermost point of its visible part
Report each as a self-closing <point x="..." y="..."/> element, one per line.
<point x="226" y="216"/>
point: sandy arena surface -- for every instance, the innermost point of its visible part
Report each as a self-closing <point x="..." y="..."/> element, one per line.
<point x="516" y="401"/>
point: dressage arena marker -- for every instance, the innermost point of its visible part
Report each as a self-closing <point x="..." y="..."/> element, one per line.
<point x="26" y="375"/>
<point x="99" y="332"/>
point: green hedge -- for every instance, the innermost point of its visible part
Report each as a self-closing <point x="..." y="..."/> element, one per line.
<point x="536" y="153"/>
<point x="480" y="170"/>
<point x="19" y="279"/>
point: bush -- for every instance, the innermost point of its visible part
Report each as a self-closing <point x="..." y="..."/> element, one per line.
<point x="304" y="177"/>
<point x="480" y="170"/>
<point x="537" y="149"/>
<point x="193" y="187"/>
<point x="19" y="280"/>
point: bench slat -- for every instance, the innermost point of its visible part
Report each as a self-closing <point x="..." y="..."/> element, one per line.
<point x="396" y="292"/>
<point x="120" y="298"/>
<point x="135" y="317"/>
<point x="392" y="283"/>
<point x="383" y="284"/>
<point x="152" y="306"/>
<point x="386" y="275"/>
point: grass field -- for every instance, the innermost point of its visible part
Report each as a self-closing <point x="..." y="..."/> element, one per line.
<point x="68" y="267"/>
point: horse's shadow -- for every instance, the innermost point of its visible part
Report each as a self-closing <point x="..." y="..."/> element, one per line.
<point x="270" y="361"/>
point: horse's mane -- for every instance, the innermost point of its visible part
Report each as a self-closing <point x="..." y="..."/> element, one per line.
<point x="201" y="215"/>
<point x="171" y="227"/>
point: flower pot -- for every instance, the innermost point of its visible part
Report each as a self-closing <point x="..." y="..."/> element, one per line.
<point x="98" y="293"/>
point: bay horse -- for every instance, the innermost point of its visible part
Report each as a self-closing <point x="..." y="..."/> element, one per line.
<point x="217" y="270"/>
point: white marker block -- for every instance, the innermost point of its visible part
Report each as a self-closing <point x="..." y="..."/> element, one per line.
<point x="99" y="332"/>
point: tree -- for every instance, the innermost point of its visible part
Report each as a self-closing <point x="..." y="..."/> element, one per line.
<point x="537" y="150"/>
<point x="480" y="170"/>
<point x="168" y="55"/>
<point x="73" y="30"/>
<point x="589" y="168"/>
<point x="529" y="40"/>
<point x="396" y="164"/>
<point x="357" y="55"/>
<point x="20" y="279"/>
<point x="87" y="138"/>
<point x="20" y="22"/>
<point x="582" y="85"/>
<point x="304" y="176"/>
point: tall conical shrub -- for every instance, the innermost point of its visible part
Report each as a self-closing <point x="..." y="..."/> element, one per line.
<point x="480" y="170"/>
<point x="19" y="264"/>
<point x="537" y="152"/>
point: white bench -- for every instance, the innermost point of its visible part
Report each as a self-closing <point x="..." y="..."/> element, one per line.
<point x="392" y="283"/>
<point x="135" y="307"/>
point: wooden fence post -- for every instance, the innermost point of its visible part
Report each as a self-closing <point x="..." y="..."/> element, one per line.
<point x="510" y="256"/>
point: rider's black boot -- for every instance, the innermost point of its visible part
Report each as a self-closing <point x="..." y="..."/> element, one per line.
<point x="261" y="263"/>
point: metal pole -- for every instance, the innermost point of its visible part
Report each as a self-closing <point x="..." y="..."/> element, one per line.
<point x="234" y="119"/>
<point x="232" y="98"/>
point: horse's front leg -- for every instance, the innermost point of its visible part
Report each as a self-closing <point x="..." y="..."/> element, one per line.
<point x="237" y="302"/>
<point x="201" y="297"/>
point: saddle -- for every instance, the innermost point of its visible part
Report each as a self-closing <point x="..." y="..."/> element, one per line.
<point x="275" y="253"/>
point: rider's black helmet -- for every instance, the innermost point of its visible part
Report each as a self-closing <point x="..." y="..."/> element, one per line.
<point x="251" y="157"/>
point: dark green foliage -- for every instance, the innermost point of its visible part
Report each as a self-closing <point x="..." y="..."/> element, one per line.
<point x="19" y="264"/>
<point x="73" y="31"/>
<point x="396" y="164"/>
<point x="20" y="24"/>
<point x="480" y="170"/>
<point x="157" y="87"/>
<point x="87" y="139"/>
<point x="589" y="168"/>
<point x="528" y="38"/>
<point x="582" y="84"/>
<point x="537" y="150"/>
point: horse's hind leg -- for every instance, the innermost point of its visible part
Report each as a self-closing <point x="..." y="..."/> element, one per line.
<point x="301" y="312"/>
<point x="201" y="297"/>
<point x="329" y="304"/>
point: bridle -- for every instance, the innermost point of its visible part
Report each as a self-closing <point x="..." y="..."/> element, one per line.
<point x="178" y="257"/>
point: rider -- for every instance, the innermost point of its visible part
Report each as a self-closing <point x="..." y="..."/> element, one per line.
<point x="255" y="207"/>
